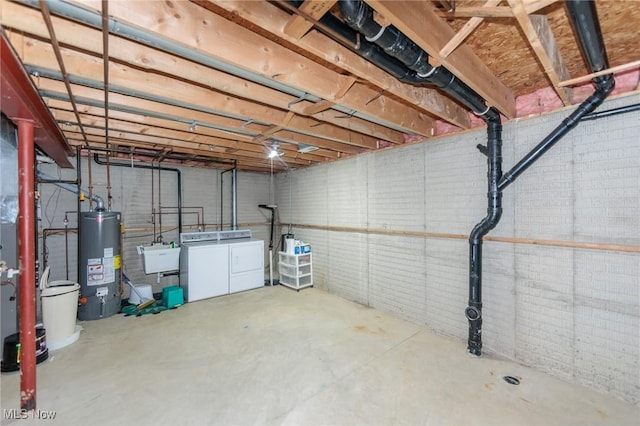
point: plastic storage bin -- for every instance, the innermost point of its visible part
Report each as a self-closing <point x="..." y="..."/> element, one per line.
<point x="296" y="270"/>
<point x="172" y="296"/>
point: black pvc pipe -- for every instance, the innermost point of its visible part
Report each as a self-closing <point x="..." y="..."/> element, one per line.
<point x="272" y="209"/>
<point x="234" y="199"/>
<point x="584" y="21"/>
<point x="603" y="89"/>
<point x="335" y="28"/>
<point x="359" y="16"/>
<point x="78" y="208"/>
<point x="403" y="58"/>
<point x="222" y="196"/>
<point x="586" y="26"/>
<point x="473" y="312"/>
<point x="611" y="112"/>
<point x="96" y="158"/>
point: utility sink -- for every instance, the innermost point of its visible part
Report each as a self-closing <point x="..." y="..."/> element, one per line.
<point x="160" y="258"/>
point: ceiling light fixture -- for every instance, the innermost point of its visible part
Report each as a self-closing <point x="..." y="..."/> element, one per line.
<point x="273" y="153"/>
<point x="304" y="148"/>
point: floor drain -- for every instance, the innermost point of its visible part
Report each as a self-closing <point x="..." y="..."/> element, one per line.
<point x="511" y="380"/>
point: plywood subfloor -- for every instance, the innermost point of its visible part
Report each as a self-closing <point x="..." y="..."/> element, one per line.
<point x="276" y="356"/>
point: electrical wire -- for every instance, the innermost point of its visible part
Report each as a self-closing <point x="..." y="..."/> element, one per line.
<point x="13" y="296"/>
<point x="56" y="193"/>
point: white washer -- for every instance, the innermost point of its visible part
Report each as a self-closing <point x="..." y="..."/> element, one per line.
<point x="216" y="263"/>
<point x="204" y="270"/>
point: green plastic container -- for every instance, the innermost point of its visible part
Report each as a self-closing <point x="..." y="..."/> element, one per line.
<point x="172" y="296"/>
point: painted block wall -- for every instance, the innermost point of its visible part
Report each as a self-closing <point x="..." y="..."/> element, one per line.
<point x="132" y="197"/>
<point x="572" y="312"/>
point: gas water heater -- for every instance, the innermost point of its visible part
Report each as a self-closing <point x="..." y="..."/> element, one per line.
<point x="99" y="263"/>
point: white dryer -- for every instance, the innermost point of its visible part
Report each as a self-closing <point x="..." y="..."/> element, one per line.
<point x="215" y="263"/>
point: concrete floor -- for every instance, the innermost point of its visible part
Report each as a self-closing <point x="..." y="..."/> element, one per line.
<point x="275" y="356"/>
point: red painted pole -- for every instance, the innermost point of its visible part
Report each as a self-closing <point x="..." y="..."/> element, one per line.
<point x="26" y="250"/>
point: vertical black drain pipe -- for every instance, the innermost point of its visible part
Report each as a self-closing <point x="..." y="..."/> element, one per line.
<point x="359" y="16"/>
<point x="584" y="21"/>
<point x="473" y="312"/>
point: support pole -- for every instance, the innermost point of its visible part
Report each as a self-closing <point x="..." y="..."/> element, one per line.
<point x="26" y="250"/>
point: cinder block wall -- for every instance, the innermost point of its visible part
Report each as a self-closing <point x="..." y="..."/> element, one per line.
<point x="132" y="197"/>
<point x="572" y="312"/>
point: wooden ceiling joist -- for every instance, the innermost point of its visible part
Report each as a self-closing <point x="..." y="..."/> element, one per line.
<point x="495" y="11"/>
<point x="271" y="19"/>
<point x="144" y="108"/>
<point x="182" y="137"/>
<point x="147" y="59"/>
<point x="134" y="81"/>
<point x="167" y="128"/>
<point x="612" y="70"/>
<point x="19" y="100"/>
<point x="540" y="36"/>
<point x="298" y="25"/>
<point x="232" y="43"/>
<point x="468" y="28"/>
<point x="97" y="140"/>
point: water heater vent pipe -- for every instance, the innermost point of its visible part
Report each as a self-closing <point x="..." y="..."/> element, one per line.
<point x="45" y="178"/>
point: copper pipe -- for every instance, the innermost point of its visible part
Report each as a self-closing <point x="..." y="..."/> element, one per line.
<point x="44" y="9"/>
<point x="200" y="214"/>
<point x="26" y="250"/>
<point x="153" y="202"/>
<point x="46" y="233"/>
<point x="159" y="203"/>
<point x="198" y="221"/>
<point x="105" y="61"/>
<point x="90" y="180"/>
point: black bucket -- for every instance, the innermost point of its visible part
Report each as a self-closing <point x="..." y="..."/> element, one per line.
<point x="11" y="351"/>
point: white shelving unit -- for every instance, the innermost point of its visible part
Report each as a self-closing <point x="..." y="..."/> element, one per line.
<point x="296" y="270"/>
